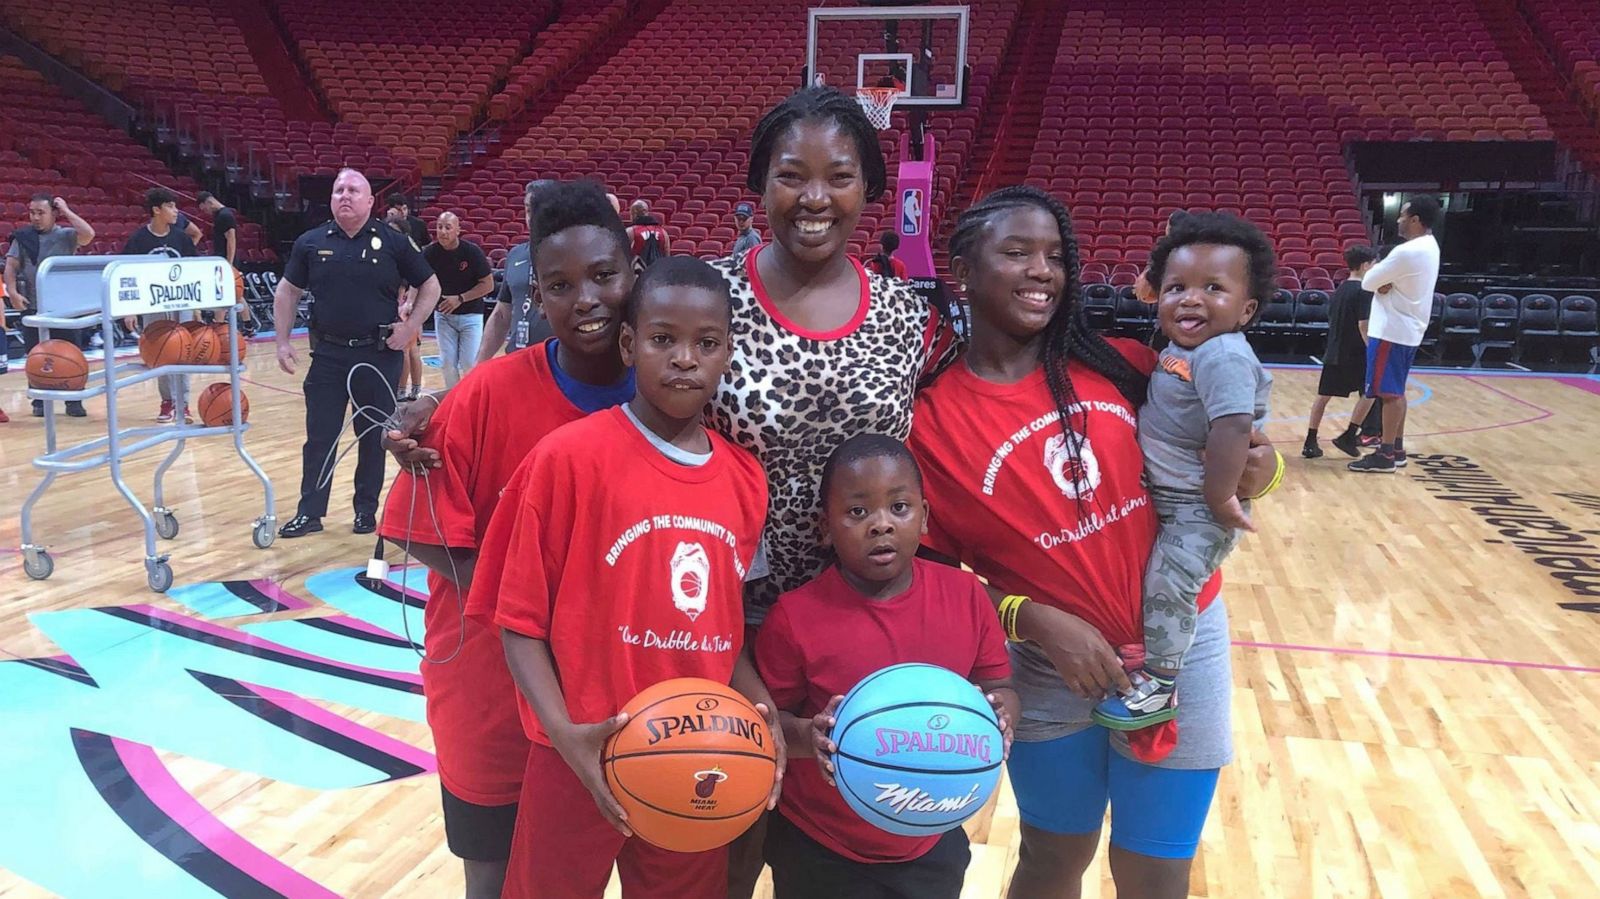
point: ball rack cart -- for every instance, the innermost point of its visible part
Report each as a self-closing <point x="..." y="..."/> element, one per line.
<point x="77" y="293"/>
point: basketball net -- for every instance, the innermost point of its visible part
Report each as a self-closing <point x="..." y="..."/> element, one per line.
<point x="878" y="104"/>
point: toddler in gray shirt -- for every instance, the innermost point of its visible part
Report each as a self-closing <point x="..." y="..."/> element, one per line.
<point x="1210" y="273"/>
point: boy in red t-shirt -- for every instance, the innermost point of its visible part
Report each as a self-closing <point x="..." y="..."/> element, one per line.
<point x="482" y="430"/>
<point x="619" y="553"/>
<point x="878" y="606"/>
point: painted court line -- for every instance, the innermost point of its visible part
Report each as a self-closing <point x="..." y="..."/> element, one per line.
<point x="1416" y="656"/>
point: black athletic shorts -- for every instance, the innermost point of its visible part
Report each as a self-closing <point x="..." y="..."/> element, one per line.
<point x="802" y="868"/>
<point x="1342" y="380"/>
<point x="478" y="833"/>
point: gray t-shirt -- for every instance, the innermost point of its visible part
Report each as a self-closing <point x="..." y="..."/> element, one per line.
<point x="747" y="240"/>
<point x="58" y="241"/>
<point x="1189" y="390"/>
<point x="528" y="327"/>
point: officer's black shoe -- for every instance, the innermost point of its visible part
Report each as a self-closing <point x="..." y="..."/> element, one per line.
<point x="299" y="526"/>
<point x="75" y="408"/>
<point x="366" y="523"/>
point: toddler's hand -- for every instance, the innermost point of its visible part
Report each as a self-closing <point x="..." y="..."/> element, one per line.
<point x="1231" y="514"/>
<point x="822" y="747"/>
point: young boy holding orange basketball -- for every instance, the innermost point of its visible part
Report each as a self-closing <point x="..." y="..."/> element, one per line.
<point x="877" y="606"/>
<point x="615" y="561"/>
<point x="483" y="429"/>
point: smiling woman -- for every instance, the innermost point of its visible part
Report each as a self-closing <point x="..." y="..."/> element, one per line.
<point x="822" y="350"/>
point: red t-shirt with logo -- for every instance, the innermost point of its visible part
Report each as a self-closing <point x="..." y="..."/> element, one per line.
<point x="480" y="744"/>
<point x="629" y="565"/>
<point x="819" y="641"/>
<point x="1007" y="497"/>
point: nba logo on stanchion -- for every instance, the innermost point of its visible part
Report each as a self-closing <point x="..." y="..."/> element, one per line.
<point x="911" y="211"/>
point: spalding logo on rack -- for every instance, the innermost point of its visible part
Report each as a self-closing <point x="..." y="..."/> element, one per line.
<point x="176" y="293"/>
<point x="666" y="728"/>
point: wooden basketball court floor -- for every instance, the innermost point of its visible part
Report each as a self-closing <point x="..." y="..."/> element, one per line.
<point x="1416" y="672"/>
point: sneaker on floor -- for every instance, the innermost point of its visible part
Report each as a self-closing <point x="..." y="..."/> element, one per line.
<point x="1399" y="458"/>
<point x="1378" y="462"/>
<point x="1348" y="444"/>
<point x="75" y="409"/>
<point x="1153" y="700"/>
<point x="299" y="526"/>
<point x="38" y="408"/>
<point x="165" y="416"/>
<point x="188" y="419"/>
<point x="4" y="417"/>
<point x="1311" y="450"/>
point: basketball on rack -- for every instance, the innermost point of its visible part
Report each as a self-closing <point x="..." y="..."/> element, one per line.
<point x="216" y="405"/>
<point x="57" y="365"/>
<point x="208" y="347"/>
<point x="693" y="766"/>
<point x="164" y="342"/>
<point x="194" y="326"/>
<point x="222" y="339"/>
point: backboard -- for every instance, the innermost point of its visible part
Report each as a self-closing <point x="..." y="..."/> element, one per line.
<point x="920" y="49"/>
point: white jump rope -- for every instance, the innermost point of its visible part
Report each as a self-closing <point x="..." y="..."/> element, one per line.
<point x="377" y="568"/>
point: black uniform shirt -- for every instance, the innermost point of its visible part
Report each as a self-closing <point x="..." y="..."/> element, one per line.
<point x="356" y="280"/>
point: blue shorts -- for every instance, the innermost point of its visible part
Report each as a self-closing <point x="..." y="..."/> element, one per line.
<point x="1063" y="785"/>
<point x="1388" y="366"/>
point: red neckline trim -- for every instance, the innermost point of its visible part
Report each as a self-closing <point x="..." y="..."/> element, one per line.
<point x="789" y="324"/>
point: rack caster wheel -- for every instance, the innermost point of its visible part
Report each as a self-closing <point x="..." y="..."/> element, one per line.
<point x="38" y="564"/>
<point x="160" y="576"/>
<point x="166" y="524"/>
<point x="263" y="535"/>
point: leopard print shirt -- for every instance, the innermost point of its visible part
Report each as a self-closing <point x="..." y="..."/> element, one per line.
<point x="793" y="396"/>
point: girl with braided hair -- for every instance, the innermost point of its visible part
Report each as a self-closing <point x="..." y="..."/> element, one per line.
<point x="1029" y="447"/>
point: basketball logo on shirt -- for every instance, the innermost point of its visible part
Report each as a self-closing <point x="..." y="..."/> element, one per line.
<point x="691" y="574"/>
<point x="1075" y="477"/>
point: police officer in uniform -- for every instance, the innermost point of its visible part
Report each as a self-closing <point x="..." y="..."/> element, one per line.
<point x="355" y="265"/>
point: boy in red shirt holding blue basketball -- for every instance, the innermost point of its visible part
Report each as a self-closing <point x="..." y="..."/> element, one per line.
<point x="482" y="430"/>
<point x="878" y="606"/>
<point x="616" y="560"/>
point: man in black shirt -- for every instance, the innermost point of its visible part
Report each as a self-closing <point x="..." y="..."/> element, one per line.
<point x="465" y="278"/>
<point x="399" y="215"/>
<point x="225" y="243"/>
<point x="355" y="266"/>
<point x="161" y="236"/>
<point x="224" y="227"/>
<point x="1344" y="362"/>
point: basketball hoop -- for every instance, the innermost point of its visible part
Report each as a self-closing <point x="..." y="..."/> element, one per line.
<point x="878" y="104"/>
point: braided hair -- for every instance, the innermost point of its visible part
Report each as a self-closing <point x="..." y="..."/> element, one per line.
<point x="818" y="104"/>
<point x="1067" y="335"/>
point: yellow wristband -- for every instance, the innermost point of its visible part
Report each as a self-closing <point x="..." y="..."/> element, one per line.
<point x="1009" y="607"/>
<point x="1277" y="477"/>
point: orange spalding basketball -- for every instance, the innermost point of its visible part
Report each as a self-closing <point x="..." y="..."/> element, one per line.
<point x="222" y="338"/>
<point x="194" y="326"/>
<point x="207" y="347"/>
<point x="163" y="342"/>
<point x="216" y="405"/>
<point x="57" y="365"/>
<point x="693" y="766"/>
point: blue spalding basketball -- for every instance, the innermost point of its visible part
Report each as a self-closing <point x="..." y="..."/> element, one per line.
<point x="919" y="749"/>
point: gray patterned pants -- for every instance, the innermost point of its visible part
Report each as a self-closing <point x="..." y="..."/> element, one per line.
<point x="1190" y="546"/>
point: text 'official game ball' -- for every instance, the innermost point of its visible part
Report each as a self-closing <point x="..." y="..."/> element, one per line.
<point x="919" y="749"/>
<point x="693" y="766"/>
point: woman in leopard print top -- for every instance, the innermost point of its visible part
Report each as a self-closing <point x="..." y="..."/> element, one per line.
<point x="822" y="349"/>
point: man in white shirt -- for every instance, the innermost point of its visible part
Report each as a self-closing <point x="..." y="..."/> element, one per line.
<point x="1402" y="286"/>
